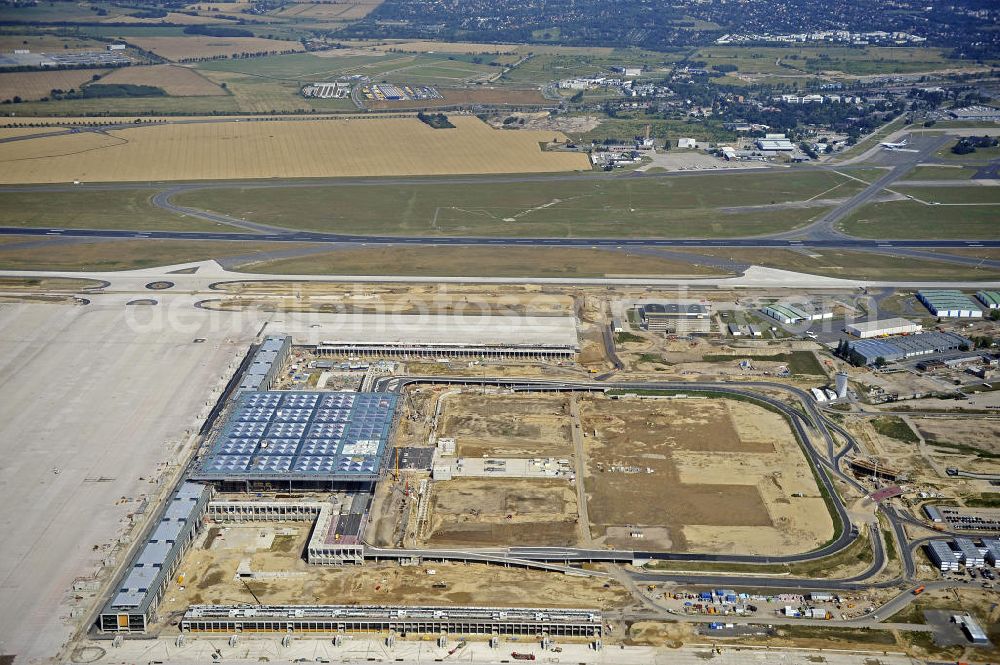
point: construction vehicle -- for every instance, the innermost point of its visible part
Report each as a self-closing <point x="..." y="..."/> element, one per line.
<point x="522" y="656"/>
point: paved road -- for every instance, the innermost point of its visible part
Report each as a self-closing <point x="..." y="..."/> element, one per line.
<point x="336" y="238"/>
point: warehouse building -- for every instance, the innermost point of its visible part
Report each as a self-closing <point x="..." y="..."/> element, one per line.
<point x="992" y="546"/>
<point x="266" y="363"/>
<point x="942" y="556"/>
<point x="990" y="299"/>
<point x="675" y="317"/>
<point x="883" y="328"/>
<point x="775" y="143"/>
<point x="949" y="303"/>
<point x="300" y="440"/>
<point x="133" y="606"/>
<point x="894" y="349"/>
<point x="790" y="314"/>
<point x="971" y="628"/>
<point x="968" y="553"/>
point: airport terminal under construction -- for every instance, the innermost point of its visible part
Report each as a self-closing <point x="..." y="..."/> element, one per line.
<point x="303" y="468"/>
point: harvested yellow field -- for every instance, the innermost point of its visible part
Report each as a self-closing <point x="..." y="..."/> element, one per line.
<point x="172" y="18"/>
<point x="35" y="85"/>
<point x="177" y="81"/>
<point x="338" y="11"/>
<point x="218" y="7"/>
<point x="472" y="48"/>
<point x="11" y="132"/>
<point x="181" y="48"/>
<point x="283" y="149"/>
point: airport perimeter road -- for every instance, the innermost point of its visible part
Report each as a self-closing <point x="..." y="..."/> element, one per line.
<point x="845" y="242"/>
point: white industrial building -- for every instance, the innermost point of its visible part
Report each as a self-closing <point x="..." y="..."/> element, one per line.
<point x="775" y="143"/>
<point x="942" y="556"/>
<point x="968" y="553"/>
<point x="883" y="327"/>
<point x="686" y="143"/>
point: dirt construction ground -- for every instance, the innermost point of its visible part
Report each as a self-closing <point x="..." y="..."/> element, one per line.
<point x="700" y="476"/>
<point x="507" y="425"/>
<point x="209" y="571"/>
<point x="472" y="512"/>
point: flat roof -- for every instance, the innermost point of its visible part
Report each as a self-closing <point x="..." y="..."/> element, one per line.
<point x="881" y="324"/>
<point x="433" y="329"/>
<point x="924" y="343"/>
<point x="673" y="308"/>
<point x="141" y="580"/>
<point x="306" y="435"/>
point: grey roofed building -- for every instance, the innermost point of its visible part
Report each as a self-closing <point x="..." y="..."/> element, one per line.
<point x="941" y="555"/>
<point x="265" y="364"/>
<point x="326" y="438"/>
<point x="138" y="594"/>
<point x="892" y="349"/>
<point x="972" y="629"/>
<point x="949" y="303"/>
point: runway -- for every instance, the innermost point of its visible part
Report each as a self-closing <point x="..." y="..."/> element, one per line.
<point x="847" y="243"/>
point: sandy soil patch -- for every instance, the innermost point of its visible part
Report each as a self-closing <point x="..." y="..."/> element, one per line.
<point x="209" y="577"/>
<point x="507" y="425"/>
<point x="978" y="433"/>
<point x="283" y="149"/>
<point x="542" y="121"/>
<point x="470" y="512"/>
<point x="692" y="466"/>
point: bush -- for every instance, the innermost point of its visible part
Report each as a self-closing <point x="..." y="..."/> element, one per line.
<point x="99" y="90"/>
<point x="435" y="120"/>
<point x="216" y="31"/>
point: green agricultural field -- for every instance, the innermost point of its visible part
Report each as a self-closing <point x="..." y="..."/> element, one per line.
<point x="129" y="254"/>
<point x="478" y="262"/>
<point x="971" y="195"/>
<point x="119" y="31"/>
<point x="817" y="59"/>
<point x="403" y="67"/>
<point x="980" y="156"/>
<point x="127" y="106"/>
<point x="126" y="209"/>
<point x="642" y="207"/>
<point x="547" y="67"/>
<point x="910" y="219"/>
<point x="940" y="173"/>
<point x="626" y="129"/>
<point x="857" y="265"/>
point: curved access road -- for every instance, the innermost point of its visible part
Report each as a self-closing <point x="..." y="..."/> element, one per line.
<point x="799" y="421"/>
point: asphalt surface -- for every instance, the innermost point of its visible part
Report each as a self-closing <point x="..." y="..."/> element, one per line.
<point x="846" y="243"/>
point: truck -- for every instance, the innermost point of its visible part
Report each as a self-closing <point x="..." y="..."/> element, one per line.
<point x="522" y="656"/>
<point x="919" y="590"/>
